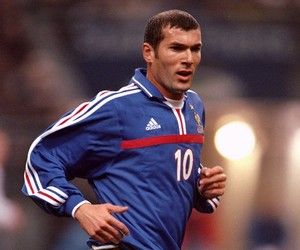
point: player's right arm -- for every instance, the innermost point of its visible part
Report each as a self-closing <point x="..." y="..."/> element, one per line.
<point x="76" y="146"/>
<point x="52" y="161"/>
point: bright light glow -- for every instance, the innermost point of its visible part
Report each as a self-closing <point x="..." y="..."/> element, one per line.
<point x="235" y="140"/>
<point x="295" y="148"/>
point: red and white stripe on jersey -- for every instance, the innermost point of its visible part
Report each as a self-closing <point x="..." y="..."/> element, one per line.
<point x="81" y="109"/>
<point x="180" y="120"/>
<point x="177" y="110"/>
<point x="51" y="194"/>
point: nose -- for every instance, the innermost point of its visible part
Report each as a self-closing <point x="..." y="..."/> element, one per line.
<point x="188" y="57"/>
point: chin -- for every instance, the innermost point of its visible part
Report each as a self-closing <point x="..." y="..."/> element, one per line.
<point x="184" y="88"/>
<point x="180" y="92"/>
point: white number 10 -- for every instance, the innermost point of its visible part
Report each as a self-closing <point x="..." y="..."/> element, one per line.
<point x="185" y="165"/>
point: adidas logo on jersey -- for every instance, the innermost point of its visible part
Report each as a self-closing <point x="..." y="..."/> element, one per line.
<point x="152" y="124"/>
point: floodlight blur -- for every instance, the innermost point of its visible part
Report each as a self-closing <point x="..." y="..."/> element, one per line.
<point x="295" y="148"/>
<point x="235" y="140"/>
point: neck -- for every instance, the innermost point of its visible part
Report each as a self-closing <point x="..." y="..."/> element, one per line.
<point x="177" y="104"/>
<point x="166" y="93"/>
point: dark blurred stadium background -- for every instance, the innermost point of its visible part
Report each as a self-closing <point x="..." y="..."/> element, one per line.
<point x="55" y="54"/>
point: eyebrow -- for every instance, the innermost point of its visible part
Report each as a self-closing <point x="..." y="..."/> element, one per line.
<point x="197" y="45"/>
<point x="184" y="45"/>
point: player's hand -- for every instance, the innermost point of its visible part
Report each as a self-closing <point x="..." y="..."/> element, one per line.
<point x="212" y="182"/>
<point x="98" y="221"/>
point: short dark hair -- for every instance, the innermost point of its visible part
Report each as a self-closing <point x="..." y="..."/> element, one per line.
<point x="173" y="18"/>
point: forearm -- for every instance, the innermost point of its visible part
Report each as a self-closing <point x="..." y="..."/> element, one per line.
<point x="58" y="198"/>
<point x="204" y="205"/>
<point x="46" y="183"/>
<point x="210" y="187"/>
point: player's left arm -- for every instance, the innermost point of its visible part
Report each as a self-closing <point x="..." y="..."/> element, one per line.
<point x="210" y="187"/>
<point x="212" y="182"/>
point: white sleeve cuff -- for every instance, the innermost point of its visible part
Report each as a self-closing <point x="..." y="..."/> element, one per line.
<point x="77" y="206"/>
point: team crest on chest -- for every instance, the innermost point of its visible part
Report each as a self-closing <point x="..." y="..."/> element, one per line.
<point x="197" y="118"/>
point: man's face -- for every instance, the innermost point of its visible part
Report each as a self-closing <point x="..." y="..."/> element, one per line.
<point x="173" y="64"/>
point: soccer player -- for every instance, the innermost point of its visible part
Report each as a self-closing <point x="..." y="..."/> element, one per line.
<point x="138" y="147"/>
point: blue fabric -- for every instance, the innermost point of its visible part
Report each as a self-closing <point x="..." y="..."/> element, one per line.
<point x="154" y="171"/>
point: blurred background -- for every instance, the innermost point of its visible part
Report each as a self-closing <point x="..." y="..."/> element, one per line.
<point x="54" y="54"/>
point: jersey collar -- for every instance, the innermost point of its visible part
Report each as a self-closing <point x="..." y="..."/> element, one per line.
<point x="145" y="85"/>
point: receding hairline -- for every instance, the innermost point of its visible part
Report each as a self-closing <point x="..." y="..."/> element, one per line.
<point x="167" y="16"/>
<point x="172" y="19"/>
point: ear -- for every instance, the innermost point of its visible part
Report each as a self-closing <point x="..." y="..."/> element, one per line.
<point x="148" y="53"/>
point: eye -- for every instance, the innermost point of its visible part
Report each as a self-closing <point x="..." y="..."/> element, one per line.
<point x="177" y="48"/>
<point x="196" y="49"/>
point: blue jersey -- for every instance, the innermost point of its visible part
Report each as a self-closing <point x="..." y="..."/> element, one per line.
<point x="136" y="150"/>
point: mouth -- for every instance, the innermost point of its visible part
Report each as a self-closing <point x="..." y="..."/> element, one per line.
<point x="184" y="75"/>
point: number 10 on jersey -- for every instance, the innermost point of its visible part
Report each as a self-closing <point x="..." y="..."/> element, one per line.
<point x="184" y="162"/>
